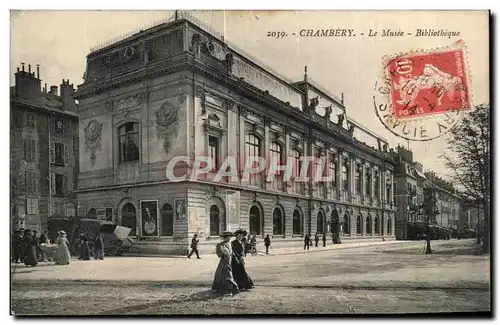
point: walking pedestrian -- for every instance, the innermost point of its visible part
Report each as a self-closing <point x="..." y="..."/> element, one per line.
<point x="244" y="244"/>
<point x="17" y="250"/>
<point x="324" y="240"/>
<point x="240" y="274"/>
<point x="30" y="258"/>
<point x="307" y="241"/>
<point x="39" y="251"/>
<point x="194" y="247"/>
<point x="253" y="245"/>
<point x="316" y="239"/>
<point x="84" y="248"/>
<point x="62" y="255"/>
<point x="98" y="247"/>
<point x="224" y="282"/>
<point x="267" y="243"/>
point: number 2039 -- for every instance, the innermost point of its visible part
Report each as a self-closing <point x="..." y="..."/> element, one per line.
<point x="276" y="34"/>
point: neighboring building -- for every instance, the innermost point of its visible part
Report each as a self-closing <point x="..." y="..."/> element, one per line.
<point x="43" y="151"/>
<point x="411" y="217"/>
<point x="471" y="218"/>
<point x="178" y="90"/>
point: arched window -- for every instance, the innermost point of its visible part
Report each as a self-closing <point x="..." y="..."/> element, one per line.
<point x="357" y="178"/>
<point x="167" y="220"/>
<point x="368" y="182"/>
<point x="276" y="158"/>
<point x="377" y="225"/>
<point x="297" y="222"/>
<point x="359" y="225"/>
<point x="255" y="221"/>
<point x="369" y="225"/>
<point x="347" y="224"/>
<point x="129" y="218"/>
<point x="345" y="175"/>
<point x="278" y="222"/>
<point x="376" y="179"/>
<point x="298" y="186"/>
<point x="333" y="172"/>
<point x="320" y="222"/>
<point x="214" y="220"/>
<point x="129" y="142"/>
<point x="252" y="149"/>
<point x="389" y="226"/>
<point x="92" y="214"/>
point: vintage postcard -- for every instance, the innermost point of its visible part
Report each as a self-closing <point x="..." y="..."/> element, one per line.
<point x="250" y="162"/>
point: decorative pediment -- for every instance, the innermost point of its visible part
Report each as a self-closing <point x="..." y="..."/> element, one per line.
<point x="278" y="137"/>
<point x="213" y="122"/>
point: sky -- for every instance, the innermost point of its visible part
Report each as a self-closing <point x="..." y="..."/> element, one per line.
<point x="60" y="40"/>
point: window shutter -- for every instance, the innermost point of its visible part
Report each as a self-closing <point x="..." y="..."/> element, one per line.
<point x="66" y="156"/>
<point x="52" y="152"/>
<point x="33" y="182"/>
<point x="52" y="183"/>
<point x="33" y="150"/>
<point x="25" y="147"/>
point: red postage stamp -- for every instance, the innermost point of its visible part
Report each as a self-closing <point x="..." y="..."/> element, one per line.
<point x="428" y="83"/>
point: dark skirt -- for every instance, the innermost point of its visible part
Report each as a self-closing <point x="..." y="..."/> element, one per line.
<point x="30" y="259"/>
<point x="84" y="252"/>
<point x="240" y="275"/>
<point x="223" y="280"/>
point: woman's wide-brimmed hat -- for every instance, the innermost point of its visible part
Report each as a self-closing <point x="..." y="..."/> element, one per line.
<point x="62" y="232"/>
<point x="240" y="231"/>
<point x="227" y="234"/>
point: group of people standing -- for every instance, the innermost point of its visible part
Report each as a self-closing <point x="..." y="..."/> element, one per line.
<point x="27" y="248"/>
<point x="231" y="276"/>
<point x="308" y="240"/>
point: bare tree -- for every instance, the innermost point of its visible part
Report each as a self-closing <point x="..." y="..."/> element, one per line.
<point x="469" y="158"/>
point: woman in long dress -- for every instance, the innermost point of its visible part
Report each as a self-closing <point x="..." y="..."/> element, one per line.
<point x="30" y="244"/>
<point x="224" y="283"/>
<point x="62" y="255"/>
<point x="238" y="262"/>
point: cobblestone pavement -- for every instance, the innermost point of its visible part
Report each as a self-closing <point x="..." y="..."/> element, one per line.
<point x="389" y="279"/>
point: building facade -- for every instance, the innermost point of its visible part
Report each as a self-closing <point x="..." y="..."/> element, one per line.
<point x="177" y="90"/>
<point x="43" y="151"/>
<point x="410" y="185"/>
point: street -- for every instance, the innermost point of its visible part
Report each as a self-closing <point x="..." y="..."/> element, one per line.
<point x="392" y="278"/>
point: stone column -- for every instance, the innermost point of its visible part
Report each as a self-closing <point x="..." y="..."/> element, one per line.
<point x="286" y="155"/>
<point x="241" y="139"/>
<point x="266" y="153"/>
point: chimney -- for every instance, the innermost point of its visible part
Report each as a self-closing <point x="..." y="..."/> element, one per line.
<point x="27" y="85"/>
<point x="68" y="96"/>
<point x="53" y="90"/>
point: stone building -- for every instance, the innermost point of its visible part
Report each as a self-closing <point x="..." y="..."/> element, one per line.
<point x="43" y="151"/>
<point x="410" y="182"/>
<point x="177" y="89"/>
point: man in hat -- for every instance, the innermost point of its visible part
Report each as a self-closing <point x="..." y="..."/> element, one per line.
<point x="194" y="247"/>
<point x="224" y="283"/>
<point x="267" y="243"/>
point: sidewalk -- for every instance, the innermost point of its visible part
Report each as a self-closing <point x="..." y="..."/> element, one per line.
<point x="125" y="269"/>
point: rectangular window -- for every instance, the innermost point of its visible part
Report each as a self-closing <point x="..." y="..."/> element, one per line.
<point x="17" y="120"/>
<point x="32" y="205"/>
<point x="109" y="214"/>
<point x="333" y="171"/>
<point x="59" y="127"/>
<point x="29" y="149"/>
<point x="345" y="175"/>
<point x="213" y="149"/>
<point x="58" y="153"/>
<point x="129" y="142"/>
<point x="57" y="184"/>
<point x="30" y="120"/>
<point x="30" y="179"/>
<point x="357" y="178"/>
